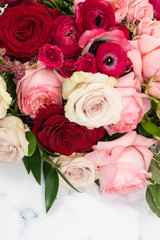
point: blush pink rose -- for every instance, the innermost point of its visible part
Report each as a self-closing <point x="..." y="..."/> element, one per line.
<point x="148" y="27"/>
<point x="123" y="163"/>
<point x="134" y="104"/>
<point x="139" y="10"/>
<point x="39" y="88"/>
<point x="154" y="88"/>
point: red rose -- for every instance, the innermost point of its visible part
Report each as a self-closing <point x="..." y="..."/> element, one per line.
<point x="87" y="63"/>
<point x="25" y="28"/>
<point x="57" y="134"/>
<point x="94" y="14"/>
<point x="67" y="69"/>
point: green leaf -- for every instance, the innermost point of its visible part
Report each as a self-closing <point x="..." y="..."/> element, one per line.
<point x="158" y="110"/>
<point x="156" y="194"/>
<point x="32" y="142"/>
<point x="51" y="188"/>
<point x="151" y="202"/>
<point x="46" y="169"/>
<point x="150" y="127"/>
<point x="97" y="182"/>
<point x="48" y="4"/>
<point x="143" y="132"/>
<point x="35" y="165"/>
<point x="26" y="164"/>
<point x="155" y="170"/>
<point x="48" y="160"/>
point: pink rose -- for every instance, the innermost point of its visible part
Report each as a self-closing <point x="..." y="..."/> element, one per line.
<point x="86" y="63"/>
<point x="52" y="56"/>
<point x="145" y="56"/>
<point x="139" y="10"/>
<point x="120" y="8"/>
<point x="123" y="163"/>
<point x="156" y="6"/>
<point x="134" y="104"/>
<point x="39" y="88"/>
<point x="67" y="69"/>
<point x="148" y="27"/>
<point x="154" y="88"/>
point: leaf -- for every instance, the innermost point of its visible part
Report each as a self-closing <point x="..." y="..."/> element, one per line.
<point x="158" y="110"/>
<point x="151" y="202"/>
<point x="143" y="132"/>
<point x="46" y="169"/>
<point x="35" y="165"/>
<point x="97" y="182"/>
<point x="51" y="188"/>
<point x="155" y="170"/>
<point x="150" y="127"/>
<point x="32" y="142"/>
<point x="26" y="163"/>
<point x="156" y="194"/>
<point x="48" y="160"/>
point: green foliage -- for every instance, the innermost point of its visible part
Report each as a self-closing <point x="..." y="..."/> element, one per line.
<point x="26" y="163"/>
<point x="64" y="6"/>
<point x="32" y="142"/>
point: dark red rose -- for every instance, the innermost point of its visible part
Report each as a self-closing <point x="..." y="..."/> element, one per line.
<point x="66" y="35"/>
<point x="67" y="69"/>
<point x="57" y="134"/>
<point x="123" y="28"/>
<point x="25" y="28"/>
<point x="87" y="63"/>
<point x="94" y="14"/>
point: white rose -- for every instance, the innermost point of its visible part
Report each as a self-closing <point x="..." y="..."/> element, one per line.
<point x="78" y="170"/>
<point x="13" y="142"/>
<point x="5" y="98"/>
<point x="92" y="99"/>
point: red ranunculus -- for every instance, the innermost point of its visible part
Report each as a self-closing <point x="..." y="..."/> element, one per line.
<point x="156" y="7"/>
<point x="121" y="27"/>
<point x="25" y="28"/>
<point x="86" y="63"/>
<point x="57" y="134"/>
<point x="94" y="14"/>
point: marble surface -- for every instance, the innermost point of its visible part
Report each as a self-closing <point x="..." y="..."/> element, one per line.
<point x="74" y="216"/>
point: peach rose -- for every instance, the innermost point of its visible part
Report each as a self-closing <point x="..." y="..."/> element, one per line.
<point x="148" y="27"/>
<point x="5" y="98"/>
<point x="39" y="88"/>
<point x="123" y="163"/>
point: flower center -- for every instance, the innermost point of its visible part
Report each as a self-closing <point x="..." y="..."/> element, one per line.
<point x="95" y="45"/>
<point x="98" y="20"/>
<point x="109" y="61"/>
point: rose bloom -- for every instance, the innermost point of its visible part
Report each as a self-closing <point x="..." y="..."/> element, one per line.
<point x="92" y="100"/>
<point x="156" y="7"/>
<point x="23" y="28"/>
<point x="148" y="27"/>
<point x="86" y="63"/>
<point x="145" y="56"/>
<point x="39" y="88"/>
<point x="134" y="104"/>
<point x="57" y="134"/>
<point x="52" y="56"/>
<point x="123" y="163"/>
<point x="66" y="35"/>
<point x="5" y="98"/>
<point x="94" y="14"/>
<point x="67" y="69"/>
<point x="139" y="10"/>
<point x="13" y="142"/>
<point x="78" y="170"/>
<point x="154" y="88"/>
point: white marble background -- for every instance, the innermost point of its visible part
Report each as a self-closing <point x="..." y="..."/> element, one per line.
<point x="74" y="216"/>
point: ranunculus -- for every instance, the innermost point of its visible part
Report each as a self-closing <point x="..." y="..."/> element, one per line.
<point x="39" y="88"/>
<point x="13" y="142"/>
<point x="134" y="104"/>
<point x="123" y="163"/>
<point x="51" y="55"/>
<point x="26" y="27"/>
<point x="66" y="35"/>
<point x="148" y="27"/>
<point x="156" y="7"/>
<point x="94" y="14"/>
<point x="67" y="69"/>
<point x="86" y="63"/>
<point x="78" y="170"/>
<point x="139" y="10"/>
<point x="5" y="98"/>
<point x="92" y="100"/>
<point x="111" y="59"/>
<point x="57" y="134"/>
<point x="120" y="8"/>
<point x="121" y="27"/>
<point x="154" y="88"/>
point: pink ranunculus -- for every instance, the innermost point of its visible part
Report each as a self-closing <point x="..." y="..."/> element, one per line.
<point x="148" y="27"/>
<point x="86" y="63"/>
<point x="51" y="55"/>
<point x="121" y="27"/>
<point x="134" y="104"/>
<point x="139" y="10"/>
<point x="67" y="69"/>
<point x="145" y="56"/>
<point x="39" y="88"/>
<point x="154" y="88"/>
<point x="123" y="163"/>
<point x="120" y="8"/>
<point x="156" y="7"/>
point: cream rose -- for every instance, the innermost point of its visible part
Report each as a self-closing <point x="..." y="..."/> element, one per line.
<point x="5" y="98"/>
<point x="78" y="170"/>
<point x="92" y="100"/>
<point x="13" y="142"/>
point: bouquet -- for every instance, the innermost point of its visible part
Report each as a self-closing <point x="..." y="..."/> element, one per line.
<point x="80" y="93"/>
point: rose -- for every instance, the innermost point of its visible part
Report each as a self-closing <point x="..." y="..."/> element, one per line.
<point x="51" y="56"/>
<point x="37" y="89"/>
<point x="123" y="163"/>
<point x="156" y="7"/>
<point x="134" y="104"/>
<point x="94" y="14"/>
<point x="153" y="88"/>
<point x="91" y="99"/>
<point x="23" y="28"/>
<point x="148" y="27"/>
<point x="111" y="59"/>
<point x="139" y="10"/>
<point x="120" y="8"/>
<point x="86" y="63"/>
<point x="66" y="35"/>
<point x="57" y="134"/>
<point x="67" y="69"/>
<point x="13" y="143"/>
<point x="78" y="170"/>
<point x="5" y="98"/>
